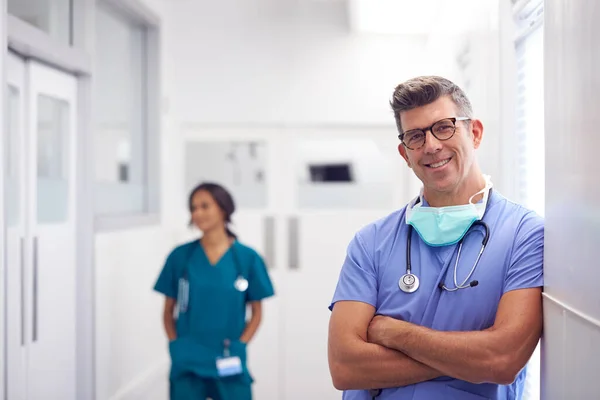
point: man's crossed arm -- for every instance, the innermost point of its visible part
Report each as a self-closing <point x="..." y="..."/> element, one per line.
<point x="355" y="363"/>
<point x="367" y="351"/>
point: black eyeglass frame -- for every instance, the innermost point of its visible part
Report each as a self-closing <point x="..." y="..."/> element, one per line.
<point x="430" y="129"/>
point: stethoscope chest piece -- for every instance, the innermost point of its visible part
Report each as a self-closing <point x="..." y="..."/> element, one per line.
<point x="241" y="284"/>
<point x="408" y="283"/>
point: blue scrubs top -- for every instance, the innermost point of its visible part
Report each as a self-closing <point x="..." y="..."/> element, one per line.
<point x="513" y="259"/>
<point x="216" y="309"/>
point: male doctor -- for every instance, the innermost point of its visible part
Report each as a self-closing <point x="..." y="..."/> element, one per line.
<point x="420" y="312"/>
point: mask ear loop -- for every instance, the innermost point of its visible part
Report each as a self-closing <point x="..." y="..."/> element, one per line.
<point x="485" y="191"/>
<point x="409" y="208"/>
<point x="418" y="201"/>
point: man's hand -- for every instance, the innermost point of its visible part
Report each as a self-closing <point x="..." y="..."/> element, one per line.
<point x="382" y="331"/>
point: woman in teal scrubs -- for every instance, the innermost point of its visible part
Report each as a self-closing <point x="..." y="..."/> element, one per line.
<point x="208" y="284"/>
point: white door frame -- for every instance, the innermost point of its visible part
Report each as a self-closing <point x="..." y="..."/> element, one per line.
<point x="32" y="79"/>
<point x="16" y="239"/>
<point x="3" y="369"/>
<point x="84" y="212"/>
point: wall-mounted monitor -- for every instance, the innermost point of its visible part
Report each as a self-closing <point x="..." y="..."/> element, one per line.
<point x="331" y="173"/>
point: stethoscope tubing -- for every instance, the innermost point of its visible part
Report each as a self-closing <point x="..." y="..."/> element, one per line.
<point x="463" y="285"/>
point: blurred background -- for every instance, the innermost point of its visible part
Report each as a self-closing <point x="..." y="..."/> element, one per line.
<point x="114" y="109"/>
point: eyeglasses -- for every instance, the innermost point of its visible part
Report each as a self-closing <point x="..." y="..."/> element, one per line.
<point x="441" y="130"/>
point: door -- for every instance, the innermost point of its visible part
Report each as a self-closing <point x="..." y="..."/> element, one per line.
<point x="51" y="177"/>
<point x="251" y="165"/>
<point x="343" y="180"/>
<point x="41" y="239"/>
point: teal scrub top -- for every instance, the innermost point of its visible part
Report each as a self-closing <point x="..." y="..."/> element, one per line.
<point x="216" y="309"/>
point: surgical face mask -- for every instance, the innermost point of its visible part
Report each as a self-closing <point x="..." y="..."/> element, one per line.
<point x="443" y="226"/>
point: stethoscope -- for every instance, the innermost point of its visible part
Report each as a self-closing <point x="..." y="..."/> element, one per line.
<point x="240" y="283"/>
<point x="409" y="282"/>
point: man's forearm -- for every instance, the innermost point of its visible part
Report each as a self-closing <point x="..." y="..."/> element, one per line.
<point x="471" y="356"/>
<point x="494" y="355"/>
<point x="363" y="365"/>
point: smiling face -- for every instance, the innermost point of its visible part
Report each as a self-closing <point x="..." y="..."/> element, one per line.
<point x="447" y="168"/>
<point x="206" y="213"/>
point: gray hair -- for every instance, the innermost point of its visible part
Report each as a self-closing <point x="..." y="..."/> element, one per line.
<point x="423" y="90"/>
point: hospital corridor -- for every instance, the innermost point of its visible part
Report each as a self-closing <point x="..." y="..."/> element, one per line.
<point x="299" y="199"/>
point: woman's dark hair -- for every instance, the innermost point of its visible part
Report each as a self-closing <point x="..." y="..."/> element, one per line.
<point x="223" y="199"/>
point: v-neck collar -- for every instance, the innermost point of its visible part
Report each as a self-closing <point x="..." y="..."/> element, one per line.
<point x="216" y="263"/>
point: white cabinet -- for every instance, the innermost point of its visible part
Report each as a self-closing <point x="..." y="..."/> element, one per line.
<point x="301" y="196"/>
<point x="40" y="192"/>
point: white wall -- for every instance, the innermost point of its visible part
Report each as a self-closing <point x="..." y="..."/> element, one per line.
<point x="3" y="173"/>
<point x="291" y="62"/>
<point x="131" y="348"/>
<point x="572" y="301"/>
<point x="130" y="342"/>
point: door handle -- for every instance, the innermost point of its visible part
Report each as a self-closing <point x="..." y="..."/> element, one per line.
<point x="293" y="243"/>
<point x="35" y="289"/>
<point x="269" y="227"/>
<point x="22" y="272"/>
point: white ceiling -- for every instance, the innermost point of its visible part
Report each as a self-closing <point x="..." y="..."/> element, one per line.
<point x="420" y="16"/>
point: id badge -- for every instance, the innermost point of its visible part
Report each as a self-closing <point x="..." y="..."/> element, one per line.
<point x="228" y="366"/>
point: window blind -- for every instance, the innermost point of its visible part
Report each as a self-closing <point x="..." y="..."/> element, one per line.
<point x="529" y="142"/>
<point x="529" y="136"/>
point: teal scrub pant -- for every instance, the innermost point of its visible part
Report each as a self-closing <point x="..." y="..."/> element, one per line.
<point x="192" y="387"/>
